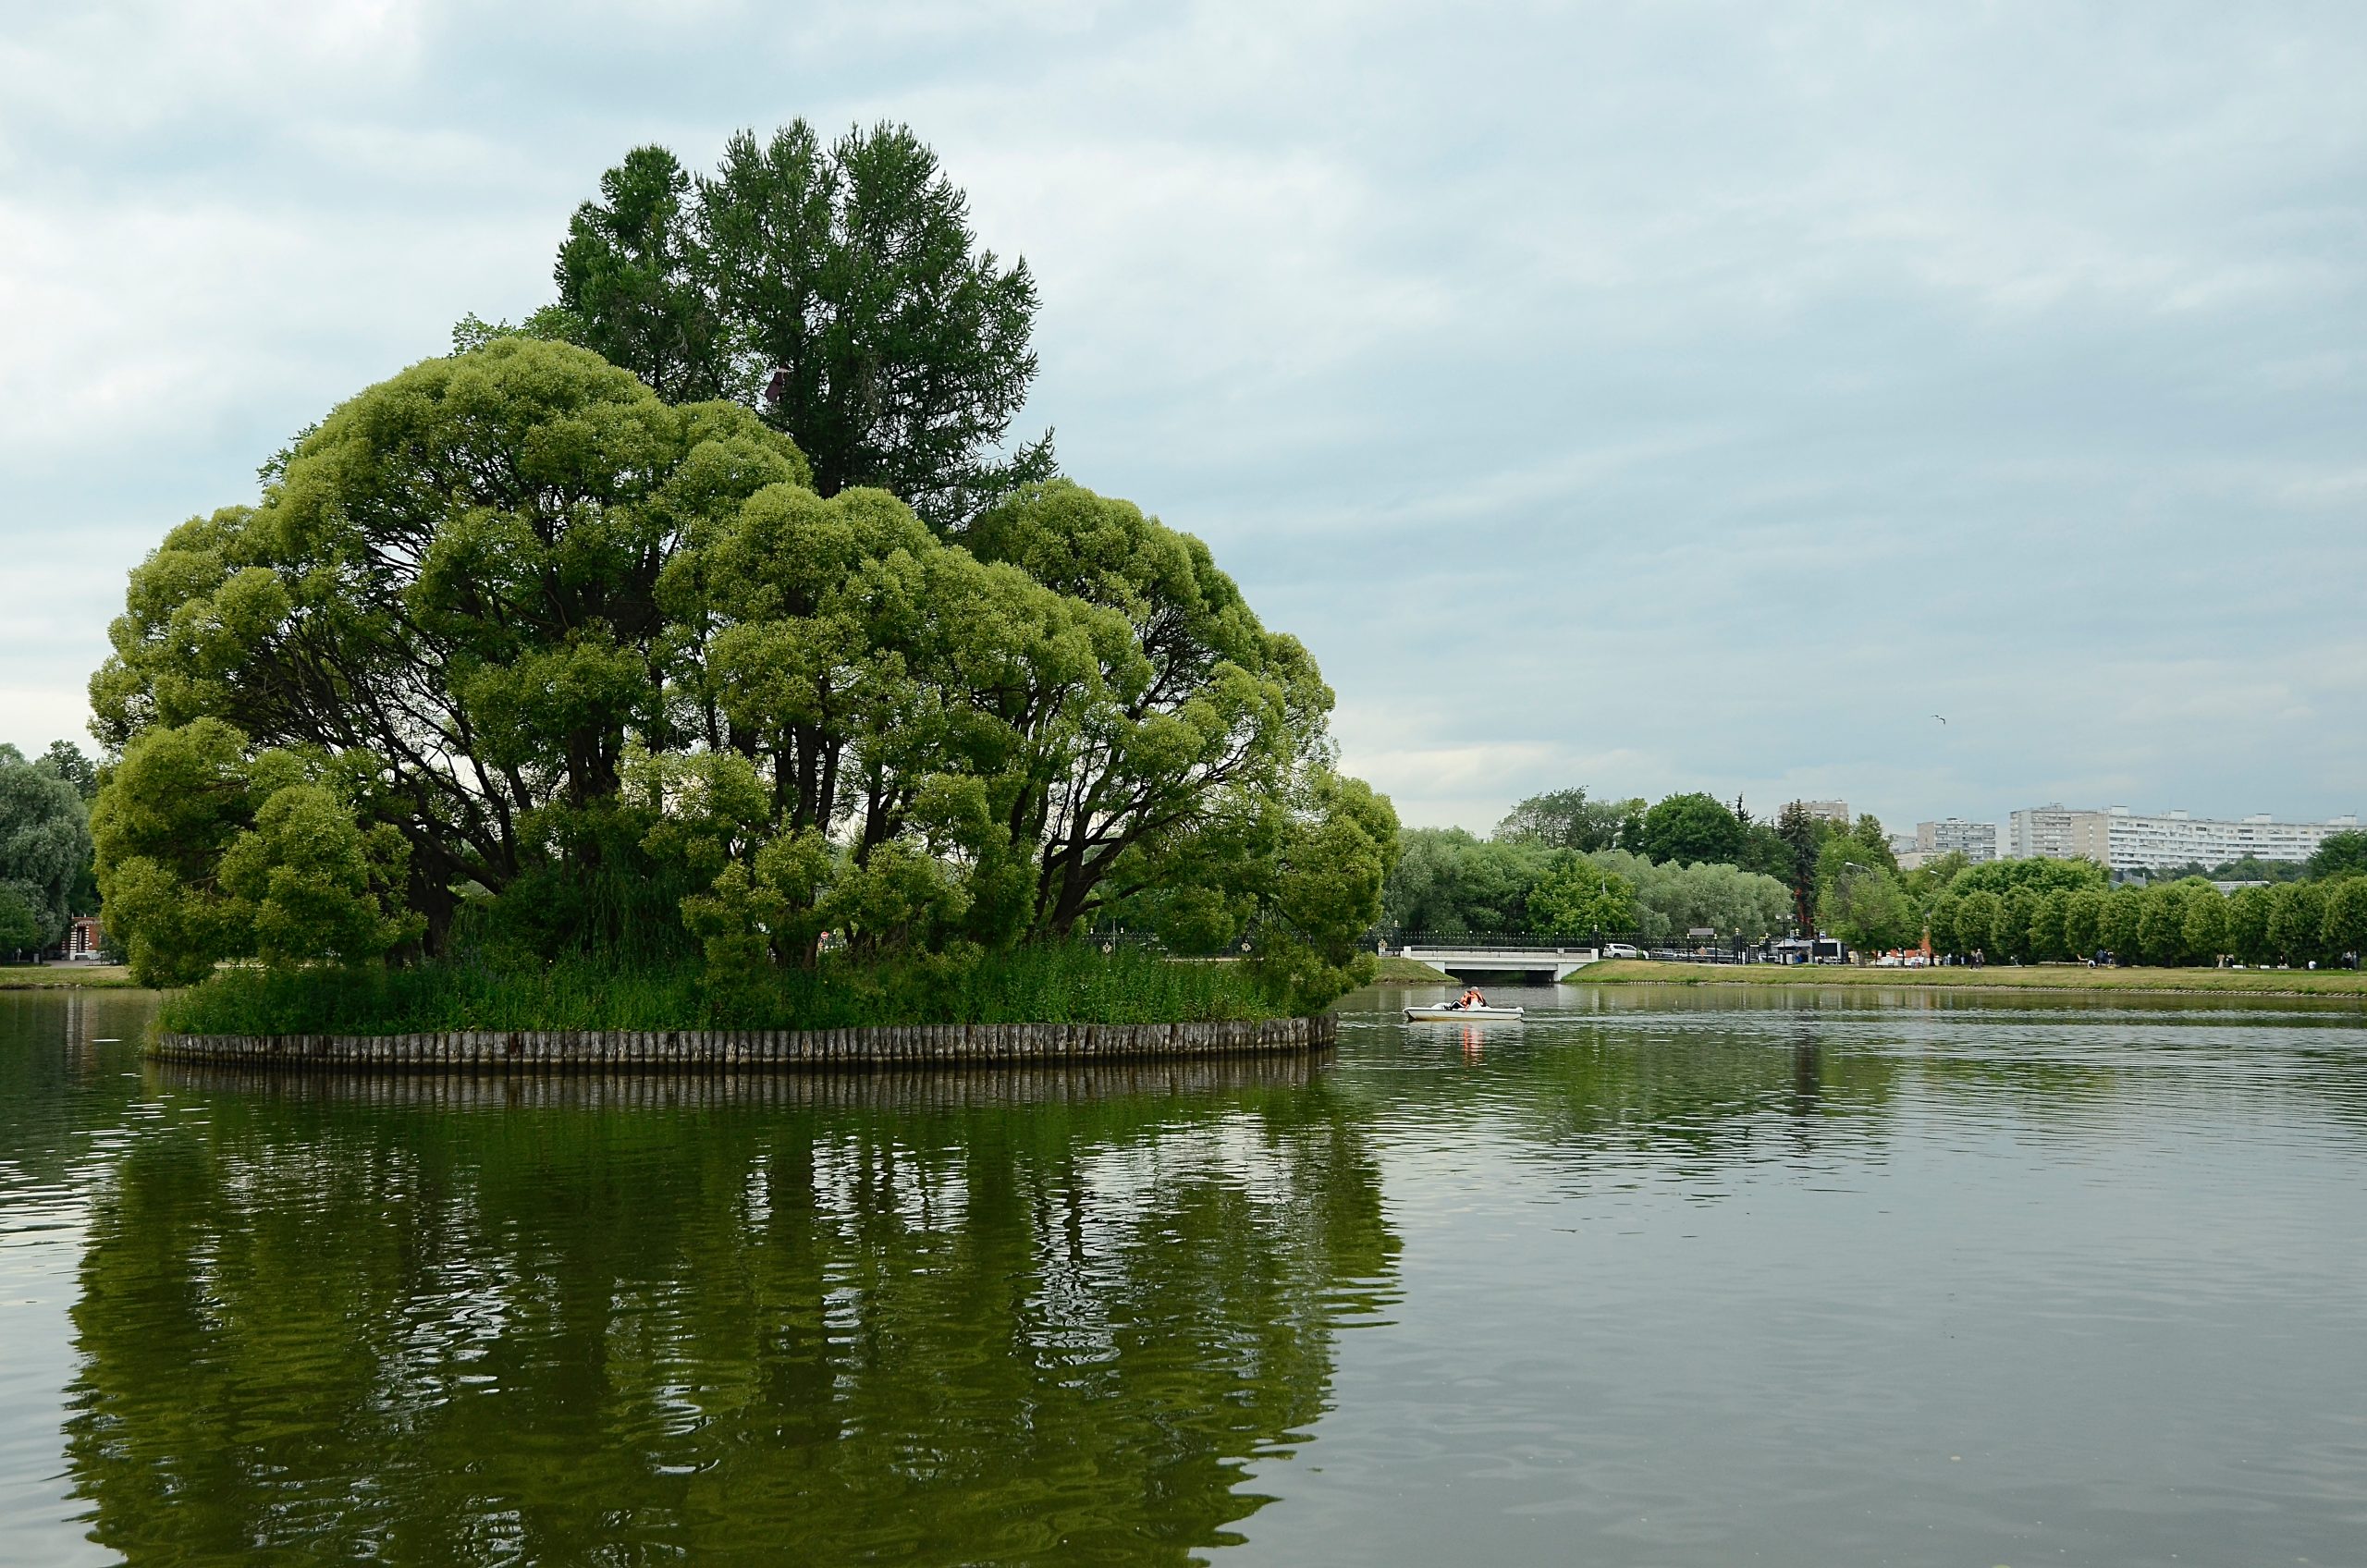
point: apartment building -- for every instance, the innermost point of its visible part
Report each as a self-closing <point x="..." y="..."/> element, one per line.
<point x="2128" y="840"/>
<point x="2053" y="833"/>
<point x="1977" y="841"/>
<point x="1834" y="811"/>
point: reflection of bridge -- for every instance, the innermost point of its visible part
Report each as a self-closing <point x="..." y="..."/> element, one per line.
<point x="1497" y="960"/>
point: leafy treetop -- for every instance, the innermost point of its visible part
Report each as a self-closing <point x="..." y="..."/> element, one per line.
<point x="2340" y="854"/>
<point x="837" y="291"/>
<point x="1692" y="828"/>
<point x="512" y="639"/>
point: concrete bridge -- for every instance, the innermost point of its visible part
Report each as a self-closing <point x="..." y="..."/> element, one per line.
<point x="1498" y="962"/>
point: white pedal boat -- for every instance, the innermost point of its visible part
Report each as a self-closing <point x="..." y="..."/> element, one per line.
<point x="1445" y="1014"/>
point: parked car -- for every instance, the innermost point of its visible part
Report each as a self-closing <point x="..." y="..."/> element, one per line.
<point x="1621" y="949"/>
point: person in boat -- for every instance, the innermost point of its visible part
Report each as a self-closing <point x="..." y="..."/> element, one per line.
<point x="1471" y="998"/>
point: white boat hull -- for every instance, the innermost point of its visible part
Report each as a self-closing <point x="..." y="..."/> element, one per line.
<point x="1443" y="1014"/>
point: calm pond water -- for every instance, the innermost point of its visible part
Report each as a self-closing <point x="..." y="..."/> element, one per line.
<point x="1650" y="1279"/>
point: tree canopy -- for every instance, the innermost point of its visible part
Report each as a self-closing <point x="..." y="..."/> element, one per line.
<point x="1691" y="828"/>
<point x="2340" y="854"/>
<point x="44" y="851"/>
<point x="1566" y="819"/>
<point x="1577" y="899"/>
<point x="1449" y="884"/>
<point x="1544" y="872"/>
<point x="511" y="636"/>
<point x="2050" y="910"/>
<point x="838" y="290"/>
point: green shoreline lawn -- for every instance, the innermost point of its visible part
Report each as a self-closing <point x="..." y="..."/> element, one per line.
<point x="64" y="977"/>
<point x="2031" y="977"/>
<point x="1395" y="970"/>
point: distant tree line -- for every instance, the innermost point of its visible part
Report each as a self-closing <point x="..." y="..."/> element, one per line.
<point x="2050" y="910"/>
<point x="1561" y="864"/>
<point x="1566" y="866"/>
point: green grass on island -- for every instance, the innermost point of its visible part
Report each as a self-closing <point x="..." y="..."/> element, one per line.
<point x="64" y="977"/>
<point x="1996" y="977"/>
<point x="1064" y="984"/>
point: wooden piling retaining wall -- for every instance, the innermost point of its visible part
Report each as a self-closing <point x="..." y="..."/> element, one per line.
<point x="958" y="1086"/>
<point x="706" y="1050"/>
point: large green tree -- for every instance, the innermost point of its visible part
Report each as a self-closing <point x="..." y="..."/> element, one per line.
<point x="1803" y="833"/>
<point x="609" y="673"/>
<point x="210" y="849"/>
<point x="1980" y="925"/>
<point x="457" y="579"/>
<point x="2296" y="922"/>
<point x="1673" y="898"/>
<point x="838" y="291"/>
<point x="1449" y="884"/>
<point x="2340" y="854"/>
<point x="63" y="760"/>
<point x="2248" y="910"/>
<point x="20" y="926"/>
<point x="1866" y="906"/>
<point x="2117" y="926"/>
<point x="1576" y="898"/>
<point x="1691" y="830"/>
<point x="2345" y="932"/>
<point x="1566" y="819"/>
<point x="44" y="848"/>
<point x="2083" y="915"/>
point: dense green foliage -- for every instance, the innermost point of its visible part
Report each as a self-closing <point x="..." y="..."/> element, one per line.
<point x="509" y="635"/>
<point x="210" y="852"/>
<point x="20" y="928"/>
<point x="2039" y="911"/>
<point x="836" y="290"/>
<point x="1566" y="819"/>
<point x="1049" y="983"/>
<point x="2244" y="868"/>
<point x="1578" y="897"/>
<point x="1691" y="828"/>
<point x="2340" y="854"/>
<point x="1449" y="885"/>
<point x="1673" y="898"/>
<point x="45" y="847"/>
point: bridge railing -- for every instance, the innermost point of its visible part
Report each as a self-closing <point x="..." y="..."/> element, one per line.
<point x="1523" y="942"/>
<point x="1660" y="948"/>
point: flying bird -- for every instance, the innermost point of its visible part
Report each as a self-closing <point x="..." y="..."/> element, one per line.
<point x="1941" y="720"/>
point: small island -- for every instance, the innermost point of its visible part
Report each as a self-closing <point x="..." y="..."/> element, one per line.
<point x="602" y="678"/>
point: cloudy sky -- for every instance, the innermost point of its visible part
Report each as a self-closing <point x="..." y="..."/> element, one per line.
<point x="1651" y="396"/>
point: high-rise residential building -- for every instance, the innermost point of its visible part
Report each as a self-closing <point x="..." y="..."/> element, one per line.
<point x="1829" y="811"/>
<point x="2128" y="840"/>
<point x="1977" y="841"/>
<point x="2053" y="833"/>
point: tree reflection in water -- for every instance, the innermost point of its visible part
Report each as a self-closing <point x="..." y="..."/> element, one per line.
<point x="933" y="1318"/>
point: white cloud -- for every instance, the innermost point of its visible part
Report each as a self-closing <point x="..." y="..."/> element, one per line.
<point x="1649" y="397"/>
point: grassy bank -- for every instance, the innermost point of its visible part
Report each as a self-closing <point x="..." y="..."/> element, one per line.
<point x="1053" y="984"/>
<point x="64" y="977"/>
<point x="2031" y="977"/>
<point x="1396" y="971"/>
